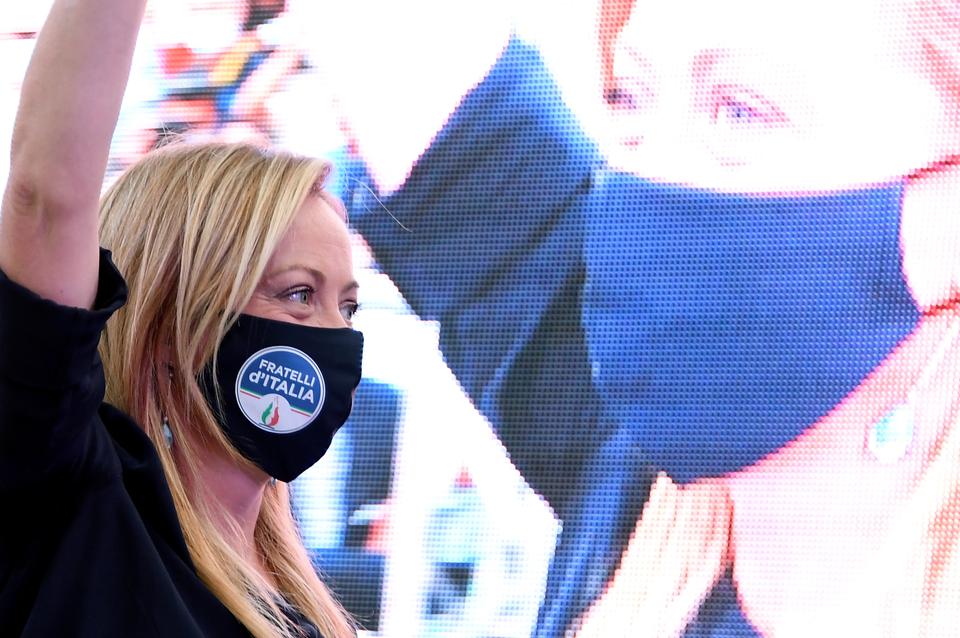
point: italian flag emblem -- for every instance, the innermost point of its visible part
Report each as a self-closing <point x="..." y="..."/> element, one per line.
<point x="271" y="416"/>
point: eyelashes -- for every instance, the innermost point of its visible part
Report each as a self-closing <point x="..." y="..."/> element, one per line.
<point x="349" y="310"/>
<point x="736" y="107"/>
<point x="630" y="96"/>
<point x="303" y="296"/>
<point x="726" y="105"/>
<point x="300" y="294"/>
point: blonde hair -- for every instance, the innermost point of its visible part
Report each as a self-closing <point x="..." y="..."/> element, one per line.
<point x="192" y="228"/>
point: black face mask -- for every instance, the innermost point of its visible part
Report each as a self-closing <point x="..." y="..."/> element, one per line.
<point x="285" y="389"/>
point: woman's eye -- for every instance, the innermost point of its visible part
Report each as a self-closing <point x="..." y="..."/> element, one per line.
<point x="348" y="310"/>
<point x="299" y="295"/>
<point x="629" y="96"/>
<point x="618" y="97"/>
<point x="738" y="112"/>
<point x="733" y="108"/>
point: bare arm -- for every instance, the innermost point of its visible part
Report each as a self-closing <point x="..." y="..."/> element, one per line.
<point x="68" y="111"/>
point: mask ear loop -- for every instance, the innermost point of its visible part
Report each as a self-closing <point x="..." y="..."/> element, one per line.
<point x="938" y="165"/>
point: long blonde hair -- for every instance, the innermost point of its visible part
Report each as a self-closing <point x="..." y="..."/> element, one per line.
<point x="192" y="228"/>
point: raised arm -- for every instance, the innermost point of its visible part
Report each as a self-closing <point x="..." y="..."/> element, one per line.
<point x="68" y="111"/>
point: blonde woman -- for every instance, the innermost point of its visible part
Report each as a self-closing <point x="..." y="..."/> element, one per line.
<point x="230" y="365"/>
<point x="850" y="524"/>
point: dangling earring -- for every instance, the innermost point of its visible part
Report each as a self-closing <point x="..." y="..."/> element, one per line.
<point x="890" y="438"/>
<point x="167" y="433"/>
<point x="273" y="482"/>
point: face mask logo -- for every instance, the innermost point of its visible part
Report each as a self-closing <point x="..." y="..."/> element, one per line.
<point x="280" y="390"/>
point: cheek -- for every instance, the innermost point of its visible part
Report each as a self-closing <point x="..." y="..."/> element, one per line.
<point x="269" y="308"/>
<point x="257" y="306"/>
<point x="930" y="238"/>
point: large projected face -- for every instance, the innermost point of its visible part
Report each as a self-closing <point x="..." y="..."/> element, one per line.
<point x="752" y="95"/>
<point x="756" y="295"/>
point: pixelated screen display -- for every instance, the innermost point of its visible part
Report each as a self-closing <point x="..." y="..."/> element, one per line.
<point x="659" y="300"/>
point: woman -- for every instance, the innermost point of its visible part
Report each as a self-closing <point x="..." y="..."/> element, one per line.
<point x="230" y="366"/>
<point x="800" y="516"/>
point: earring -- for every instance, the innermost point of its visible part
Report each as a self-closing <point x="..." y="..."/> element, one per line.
<point x="273" y="482"/>
<point x="167" y="433"/>
<point x="890" y="438"/>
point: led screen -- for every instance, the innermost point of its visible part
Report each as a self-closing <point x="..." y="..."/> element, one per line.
<point x="659" y="300"/>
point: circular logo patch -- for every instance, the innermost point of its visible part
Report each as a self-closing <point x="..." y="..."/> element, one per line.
<point x="280" y="389"/>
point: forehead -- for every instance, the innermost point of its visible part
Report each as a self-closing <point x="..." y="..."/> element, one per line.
<point x="316" y="227"/>
<point x="317" y="239"/>
<point x="806" y="29"/>
<point x="816" y="60"/>
<point x="757" y="95"/>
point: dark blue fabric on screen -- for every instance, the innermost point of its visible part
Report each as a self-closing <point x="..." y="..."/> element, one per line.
<point x="721" y="326"/>
<point x="494" y="252"/>
<point x="720" y="615"/>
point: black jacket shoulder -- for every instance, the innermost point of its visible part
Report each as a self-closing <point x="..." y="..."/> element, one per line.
<point x="97" y="549"/>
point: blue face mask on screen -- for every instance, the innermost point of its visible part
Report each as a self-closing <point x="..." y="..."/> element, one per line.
<point x="721" y="326"/>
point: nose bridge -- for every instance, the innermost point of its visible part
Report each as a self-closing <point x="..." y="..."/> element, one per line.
<point x="666" y="65"/>
<point x="327" y="315"/>
<point x="669" y="118"/>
